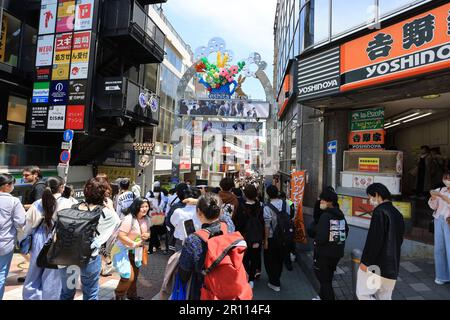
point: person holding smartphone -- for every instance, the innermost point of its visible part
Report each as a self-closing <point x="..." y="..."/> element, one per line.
<point x="440" y="203"/>
<point x="133" y="231"/>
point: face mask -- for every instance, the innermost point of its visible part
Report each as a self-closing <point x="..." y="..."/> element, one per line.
<point x="156" y="194"/>
<point x="373" y="202"/>
<point x="323" y="206"/>
<point x="447" y="183"/>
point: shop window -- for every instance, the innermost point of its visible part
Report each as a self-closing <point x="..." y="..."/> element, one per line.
<point x="16" y="133"/>
<point x="390" y="6"/>
<point x="151" y="76"/>
<point x="17" y="110"/>
<point x="28" y="54"/>
<point x="10" y="39"/>
<point x="347" y="15"/>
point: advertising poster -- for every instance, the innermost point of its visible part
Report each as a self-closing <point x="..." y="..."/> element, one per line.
<point x="58" y="92"/>
<point x="56" y="117"/>
<point x="43" y="73"/>
<point x="81" y="45"/>
<point x="38" y="118"/>
<point x="297" y="192"/>
<point x="44" y="54"/>
<point x="84" y="13"/>
<point x="43" y="2"/>
<point x="61" y="64"/>
<point x="346" y="204"/>
<point x="77" y="91"/>
<point x="369" y="164"/>
<point x="66" y="16"/>
<point x="362" y="182"/>
<point x="47" y="20"/>
<point x="79" y="70"/>
<point x="75" y="117"/>
<point x="41" y="91"/>
<point x="3" y="38"/>
<point x="225" y="108"/>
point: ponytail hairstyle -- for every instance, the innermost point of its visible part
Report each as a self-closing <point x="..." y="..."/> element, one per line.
<point x="49" y="203"/>
<point x="209" y="205"/>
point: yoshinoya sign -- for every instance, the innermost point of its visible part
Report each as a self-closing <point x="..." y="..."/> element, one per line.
<point x="319" y="75"/>
<point x="415" y="46"/>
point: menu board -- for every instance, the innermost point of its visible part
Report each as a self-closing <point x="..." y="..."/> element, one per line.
<point x="61" y="92"/>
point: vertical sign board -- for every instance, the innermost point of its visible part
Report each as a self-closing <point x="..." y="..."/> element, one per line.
<point x="298" y="181"/>
<point x="64" y="60"/>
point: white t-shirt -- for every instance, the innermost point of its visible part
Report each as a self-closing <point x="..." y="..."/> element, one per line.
<point x="124" y="201"/>
<point x="180" y="216"/>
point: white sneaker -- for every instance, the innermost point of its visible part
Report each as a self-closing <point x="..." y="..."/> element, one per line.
<point x="439" y="282"/>
<point x="316" y="298"/>
<point x="252" y="284"/>
<point x="274" y="288"/>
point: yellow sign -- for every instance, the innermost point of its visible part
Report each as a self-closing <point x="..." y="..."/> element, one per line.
<point x="3" y="38"/>
<point x="61" y="71"/>
<point x="62" y="57"/>
<point x="114" y="173"/>
<point x="80" y="55"/>
<point x="346" y="204"/>
<point x="404" y="208"/>
<point x="369" y="164"/>
<point x="66" y="9"/>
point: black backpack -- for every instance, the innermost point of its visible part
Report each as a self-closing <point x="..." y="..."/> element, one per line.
<point x="254" y="229"/>
<point x="75" y="231"/>
<point x="284" y="232"/>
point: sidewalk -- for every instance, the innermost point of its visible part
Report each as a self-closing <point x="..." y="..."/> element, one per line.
<point x="415" y="282"/>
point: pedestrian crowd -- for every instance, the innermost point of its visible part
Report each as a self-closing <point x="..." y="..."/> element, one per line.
<point x="217" y="238"/>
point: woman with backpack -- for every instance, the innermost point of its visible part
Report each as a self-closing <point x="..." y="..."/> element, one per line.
<point x="12" y="219"/>
<point x="95" y="192"/>
<point x="129" y="252"/>
<point x="41" y="283"/>
<point x="250" y="223"/>
<point x="329" y="242"/>
<point x="194" y="255"/>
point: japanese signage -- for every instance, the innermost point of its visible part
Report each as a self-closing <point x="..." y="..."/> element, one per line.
<point x="373" y="139"/>
<point x="114" y="173"/>
<point x="38" y="118"/>
<point x="48" y="18"/>
<point x="319" y="75"/>
<point x="297" y="192"/>
<point x="414" y="46"/>
<point x="369" y="164"/>
<point x="66" y="16"/>
<point x="198" y="143"/>
<point x="41" y="91"/>
<point x="63" y="62"/>
<point x="3" y="38"/>
<point x="362" y="208"/>
<point x="185" y="163"/>
<point x="370" y="119"/>
<point x="56" y="117"/>
<point x="225" y="108"/>
<point x="84" y="14"/>
<point x="346" y="204"/>
<point x="44" y="52"/>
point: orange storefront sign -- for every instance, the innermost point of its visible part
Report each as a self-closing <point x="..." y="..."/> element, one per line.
<point x="297" y="192"/>
<point x="364" y="140"/>
<point x="414" y="46"/>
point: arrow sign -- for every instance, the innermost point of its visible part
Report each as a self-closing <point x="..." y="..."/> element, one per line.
<point x="332" y="147"/>
<point x="65" y="156"/>
<point x="68" y="135"/>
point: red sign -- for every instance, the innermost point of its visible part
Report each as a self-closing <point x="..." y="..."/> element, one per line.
<point x="75" y="117"/>
<point x="297" y="192"/>
<point x="367" y="140"/>
<point x="362" y="208"/>
<point x="65" y="156"/>
<point x="63" y="42"/>
<point x="81" y="40"/>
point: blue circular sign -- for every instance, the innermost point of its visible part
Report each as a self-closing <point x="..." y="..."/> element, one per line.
<point x="65" y="156"/>
<point x="68" y="135"/>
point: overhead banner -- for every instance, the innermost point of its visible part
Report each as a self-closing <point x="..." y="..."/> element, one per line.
<point x="225" y="108"/>
<point x="297" y="193"/>
<point x="415" y="46"/>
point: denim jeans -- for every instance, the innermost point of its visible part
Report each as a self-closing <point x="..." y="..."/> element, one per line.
<point x="5" y="264"/>
<point x="442" y="249"/>
<point x="90" y="276"/>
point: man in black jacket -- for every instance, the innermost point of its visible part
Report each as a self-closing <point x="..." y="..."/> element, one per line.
<point x="329" y="242"/>
<point x="380" y="261"/>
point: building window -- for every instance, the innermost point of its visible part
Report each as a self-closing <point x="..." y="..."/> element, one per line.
<point x="28" y="54"/>
<point x="151" y="76"/>
<point x="390" y="6"/>
<point x="320" y="12"/>
<point x="348" y="15"/>
<point x="174" y="58"/>
<point x="17" y="118"/>
<point x="10" y="39"/>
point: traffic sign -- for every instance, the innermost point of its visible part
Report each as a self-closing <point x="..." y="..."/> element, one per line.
<point x="66" y="145"/>
<point x="65" y="156"/>
<point x="68" y="135"/>
<point x="332" y="147"/>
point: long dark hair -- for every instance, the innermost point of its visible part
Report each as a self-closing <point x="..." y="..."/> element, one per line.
<point x="136" y="206"/>
<point x="49" y="203"/>
<point x="209" y="205"/>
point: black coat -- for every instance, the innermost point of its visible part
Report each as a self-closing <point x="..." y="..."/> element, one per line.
<point x="323" y="247"/>
<point x="384" y="240"/>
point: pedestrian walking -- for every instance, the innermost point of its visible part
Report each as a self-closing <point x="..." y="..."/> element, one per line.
<point x="250" y="223"/>
<point x="129" y="252"/>
<point x="380" y="260"/>
<point x="12" y="219"/>
<point x="157" y="217"/>
<point x="42" y="283"/>
<point x="68" y="193"/>
<point x="95" y="192"/>
<point x="228" y="281"/>
<point x="276" y="217"/>
<point x="230" y="203"/>
<point x="125" y="197"/>
<point x="329" y="242"/>
<point x="440" y="203"/>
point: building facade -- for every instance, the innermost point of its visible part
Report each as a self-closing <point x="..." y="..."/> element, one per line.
<point x="367" y="79"/>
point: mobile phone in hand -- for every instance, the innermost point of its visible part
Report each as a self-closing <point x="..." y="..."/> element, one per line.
<point x="189" y="227"/>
